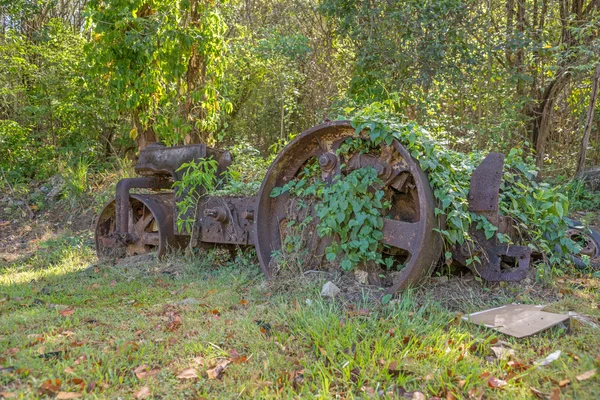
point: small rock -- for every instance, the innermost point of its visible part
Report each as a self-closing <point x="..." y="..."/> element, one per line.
<point x="57" y="184"/>
<point x="502" y="353"/>
<point x="361" y="276"/>
<point x="190" y="301"/>
<point x="330" y="290"/>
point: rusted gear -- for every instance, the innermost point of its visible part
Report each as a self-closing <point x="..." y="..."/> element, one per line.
<point x="150" y="227"/>
<point x="588" y="239"/>
<point x="408" y="230"/>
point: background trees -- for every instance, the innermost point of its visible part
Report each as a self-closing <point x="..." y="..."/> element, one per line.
<point x="101" y="78"/>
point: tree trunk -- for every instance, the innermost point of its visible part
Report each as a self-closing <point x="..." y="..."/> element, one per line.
<point x="510" y="10"/>
<point x="588" y="122"/>
<point x="145" y="134"/>
<point x="195" y="79"/>
<point x="520" y="55"/>
<point x="543" y="115"/>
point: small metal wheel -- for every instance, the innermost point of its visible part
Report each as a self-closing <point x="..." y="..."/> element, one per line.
<point x="150" y="228"/>
<point x="588" y="239"/>
<point x="408" y="231"/>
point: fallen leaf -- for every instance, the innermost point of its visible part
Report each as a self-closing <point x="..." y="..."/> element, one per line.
<point x="418" y="396"/>
<point x="517" y="366"/>
<point x="80" y="360"/>
<point x="564" y="382"/>
<point x="215" y="373"/>
<point x="243" y="302"/>
<point x="393" y="368"/>
<point x="495" y="383"/>
<point x="143" y="393"/>
<point x="12" y="352"/>
<point x="189" y="373"/>
<point x="90" y="386"/>
<point x="239" y="360"/>
<point x="67" y="311"/>
<point x="586" y="375"/>
<point x="143" y="371"/>
<point x="476" y="394"/>
<point x="536" y="392"/>
<point x="50" y="386"/>
<point x="129" y="346"/>
<point x="368" y="390"/>
<point x="174" y="322"/>
<point x="68" y="395"/>
<point x="8" y="395"/>
<point x="69" y="370"/>
<point x="555" y="395"/>
<point x="199" y="360"/>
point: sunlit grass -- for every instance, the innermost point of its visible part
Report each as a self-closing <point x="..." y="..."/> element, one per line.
<point x="290" y="343"/>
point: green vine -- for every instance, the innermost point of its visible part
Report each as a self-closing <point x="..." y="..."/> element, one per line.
<point x="537" y="209"/>
<point x="351" y="209"/>
<point x="198" y="178"/>
<point x="354" y="212"/>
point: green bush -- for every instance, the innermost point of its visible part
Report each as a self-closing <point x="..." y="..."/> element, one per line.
<point x="20" y="156"/>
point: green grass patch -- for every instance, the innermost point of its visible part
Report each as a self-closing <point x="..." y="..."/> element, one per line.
<point x="108" y="331"/>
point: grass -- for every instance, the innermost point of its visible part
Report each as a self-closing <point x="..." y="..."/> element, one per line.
<point x="70" y="325"/>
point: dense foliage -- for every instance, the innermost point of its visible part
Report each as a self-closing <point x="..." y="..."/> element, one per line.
<point x="89" y="77"/>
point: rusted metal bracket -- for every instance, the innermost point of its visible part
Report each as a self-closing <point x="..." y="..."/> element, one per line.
<point x="499" y="262"/>
<point x="122" y="199"/>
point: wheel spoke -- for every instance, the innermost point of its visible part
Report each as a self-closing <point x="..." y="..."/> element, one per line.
<point x="145" y="220"/>
<point x="400" y="234"/>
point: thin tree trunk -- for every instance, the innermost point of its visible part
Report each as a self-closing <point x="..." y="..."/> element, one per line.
<point x="588" y="122"/>
<point x="510" y="11"/>
<point x="145" y="135"/>
<point x="520" y="55"/>
<point x="543" y="117"/>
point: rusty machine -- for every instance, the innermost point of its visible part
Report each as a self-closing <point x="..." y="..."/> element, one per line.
<point x="138" y="223"/>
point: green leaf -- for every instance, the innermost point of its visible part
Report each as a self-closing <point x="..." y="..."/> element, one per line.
<point x="385" y="299"/>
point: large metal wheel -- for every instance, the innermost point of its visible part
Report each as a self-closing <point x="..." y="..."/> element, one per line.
<point x="150" y="227"/>
<point x="408" y="232"/>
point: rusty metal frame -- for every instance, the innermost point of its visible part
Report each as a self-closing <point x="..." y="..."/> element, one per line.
<point x="256" y="220"/>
